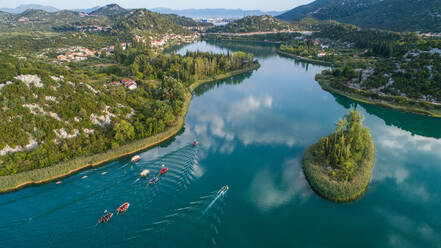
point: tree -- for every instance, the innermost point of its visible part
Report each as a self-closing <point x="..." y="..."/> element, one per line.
<point x="123" y="131"/>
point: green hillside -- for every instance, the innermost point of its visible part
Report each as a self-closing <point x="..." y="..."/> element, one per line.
<point x="145" y="22"/>
<point x="396" y="15"/>
<point x="263" y="23"/>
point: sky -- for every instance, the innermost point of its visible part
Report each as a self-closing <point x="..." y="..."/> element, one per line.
<point x="173" y="4"/>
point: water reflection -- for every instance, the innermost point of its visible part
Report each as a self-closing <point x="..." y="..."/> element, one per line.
<point x="259" y="49"/>
<point x="415" y="124"/>
<point x="271" y="190"/>
<point x="235" y="80"/>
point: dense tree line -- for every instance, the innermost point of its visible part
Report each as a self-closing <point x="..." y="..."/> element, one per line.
<point x="377" y="42"/>
<point x="193" y="66"/>
<point x="344" y="149"/>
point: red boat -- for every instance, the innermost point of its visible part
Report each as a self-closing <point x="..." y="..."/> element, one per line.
<point x="123" y="207"/>
<point x="106" y="218"/>
<point x="163" y="170"/>
<point x="195" y="143"/>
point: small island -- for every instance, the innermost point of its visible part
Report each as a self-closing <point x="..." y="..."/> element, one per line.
<point x="338" y="167"/>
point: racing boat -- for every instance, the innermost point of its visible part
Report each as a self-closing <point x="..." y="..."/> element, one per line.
<point x="123" y="207"/>
<point x="153" y="180"/>
<point x="106" y="218"/>
<point x="163" y="170"/>
<point x="135" y="158"/>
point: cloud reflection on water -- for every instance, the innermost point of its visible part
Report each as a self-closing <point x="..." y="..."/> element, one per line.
<point x="271" y="190"/>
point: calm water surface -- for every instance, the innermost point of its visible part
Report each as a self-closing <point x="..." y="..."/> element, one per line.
<point x="252" y="130"/>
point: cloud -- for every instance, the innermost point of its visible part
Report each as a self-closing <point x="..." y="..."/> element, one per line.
<point x="267" y="191"/>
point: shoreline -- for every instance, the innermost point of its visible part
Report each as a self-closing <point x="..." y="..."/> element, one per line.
<point x="317" y="179"/>
<point x="307" y="60"/>
<point x="324" y="83"/>
<point x="76" y="165"/>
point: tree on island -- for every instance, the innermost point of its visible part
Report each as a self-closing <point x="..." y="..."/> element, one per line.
<point x="344" y="149"/>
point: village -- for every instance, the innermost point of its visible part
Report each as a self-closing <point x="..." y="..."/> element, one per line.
<point x="77" y="53"/>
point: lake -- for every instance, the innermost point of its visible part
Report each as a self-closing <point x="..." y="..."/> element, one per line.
<point x="252" y="130"/>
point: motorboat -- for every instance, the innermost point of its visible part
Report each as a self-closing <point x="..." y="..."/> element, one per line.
<point x="144" y="173"/>
<point x="224" y="189"/>
<point x="59" y="182"/>
<point x="153" y="180"/>
<point x="106" y="217"/>
<point x="195" y="143"/>
<point x="123" y="207"/>
<point x="135" y="158"/>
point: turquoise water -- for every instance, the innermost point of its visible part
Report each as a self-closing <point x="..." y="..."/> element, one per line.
<point x="252" y="130"/>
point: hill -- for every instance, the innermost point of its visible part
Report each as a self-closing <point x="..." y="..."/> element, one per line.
<point x="396" y="15"/>
<point x="24" y="7"/>
<point x="215" y="13"/>
<point x="185" y="21"/>
<point x="145" y="22"/>
<point x="109" y="10"/>
<point x="43" y="19"/>
<point x="248" y="24"/>
<point x="89" y="10"/>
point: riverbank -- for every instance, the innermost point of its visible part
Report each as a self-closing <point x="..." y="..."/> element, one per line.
<point x="317" y="175"/>
<point x="44" y="175"/>
<point x="412" y="106"/>
<point x="307" y="60"/>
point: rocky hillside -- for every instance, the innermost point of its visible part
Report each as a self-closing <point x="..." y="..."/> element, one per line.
<point x="396" y="15"/>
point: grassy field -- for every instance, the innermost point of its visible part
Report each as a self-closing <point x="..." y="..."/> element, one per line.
<point x="337" y="191"/>
<point x="413" y="106"/>
<point x="40" y="176"/>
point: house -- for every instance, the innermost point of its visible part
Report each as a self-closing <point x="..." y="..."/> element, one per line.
<point x="132" y="86"/>
<point x="321" y="54"/>
<point x="138" y="38"/>
<point x="61" y="57"/>
<point x="129" y="83"/>
<point x="115" y="83"/>
<point x="125" y="45"/>
<point x="156" y="43"/>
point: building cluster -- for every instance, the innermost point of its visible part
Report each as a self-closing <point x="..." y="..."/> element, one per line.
<point x="127" y="82"/>
<point x="82" y="53"/>
<point x="173" y="37"/>
<point x="93" y="28"/>
<point x="430" y="34"/>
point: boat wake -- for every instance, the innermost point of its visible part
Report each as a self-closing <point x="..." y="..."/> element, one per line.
<point x="70" y="210"/>
<point x="183" y="227"/>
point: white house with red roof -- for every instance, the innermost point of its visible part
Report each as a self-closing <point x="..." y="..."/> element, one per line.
<point x="129" y="83"/>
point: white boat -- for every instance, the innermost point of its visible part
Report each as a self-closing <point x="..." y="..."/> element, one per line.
<point x="144" y="173"/>
<point x="136" y="158"/>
